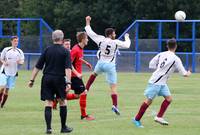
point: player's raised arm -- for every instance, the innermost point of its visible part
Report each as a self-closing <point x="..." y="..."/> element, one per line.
<point x="154" y="62"/>
<point x="124" y="44"/>
<point x="96" y="38"/>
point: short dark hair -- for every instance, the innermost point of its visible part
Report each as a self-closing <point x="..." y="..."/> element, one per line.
<point x="13" y="37"/>
<point x="80" y="36"/>
<point x="67" y="40"/>
<point x="109" y="31"/>
<point x="171" y="43"/>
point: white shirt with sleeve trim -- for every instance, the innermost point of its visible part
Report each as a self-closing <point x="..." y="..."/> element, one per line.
<point x="107" y="47"/>
<point x="165" y="64"/>
<point x="11" y="56"/>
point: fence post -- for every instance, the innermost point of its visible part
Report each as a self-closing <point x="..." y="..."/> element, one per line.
<point x="187" y="61"/>
<point x="177" y="30"/>
<point x="41" y="33"/>
<point x="193" y="46"/>
<point x="28" y="61"/>
<point x="19" y="32"/>
<point x="136" y="47"/>
<point x="1" y="28"/>
<point x="159" y="36"/>
<point x="93" y="59"/>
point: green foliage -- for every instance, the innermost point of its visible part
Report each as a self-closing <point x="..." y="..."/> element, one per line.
<point x="9" y="8"/>
<point x="69" y="15"/>
<point x="4" y="43"/>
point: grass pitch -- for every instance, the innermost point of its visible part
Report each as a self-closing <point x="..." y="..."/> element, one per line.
<point x="23" y="112"/>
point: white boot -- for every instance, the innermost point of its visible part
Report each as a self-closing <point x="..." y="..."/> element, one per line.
<point x="161" y="120"/>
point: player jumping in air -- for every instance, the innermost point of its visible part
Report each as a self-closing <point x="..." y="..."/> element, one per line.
<point x="164" y="64"/>
<point x="106" y="58"/>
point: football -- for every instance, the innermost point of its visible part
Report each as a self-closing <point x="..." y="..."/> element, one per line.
<point x="180" y="16"/>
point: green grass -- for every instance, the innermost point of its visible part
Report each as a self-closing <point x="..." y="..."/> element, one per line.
<point x="23" y="113"/>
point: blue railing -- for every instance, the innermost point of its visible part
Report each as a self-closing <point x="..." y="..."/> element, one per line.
<point x="92" y="54"/>
<point x="28" y="57"/>
<point x="136" y="64"/>
<point x="136" y="25"/>
<point x="19" y="20"/>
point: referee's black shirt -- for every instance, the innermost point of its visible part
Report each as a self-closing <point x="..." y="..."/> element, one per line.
<point x="56" y="59"/>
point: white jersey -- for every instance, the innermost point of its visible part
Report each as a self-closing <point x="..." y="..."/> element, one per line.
<point x="11" y="56"/>
<point x="107" y="46"/>
<point x="165" y="64"/>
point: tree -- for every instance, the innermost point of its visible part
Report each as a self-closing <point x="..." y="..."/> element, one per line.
<point x="69" y="15"/>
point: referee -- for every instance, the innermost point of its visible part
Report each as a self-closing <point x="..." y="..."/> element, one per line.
<point x="56" y="71"/>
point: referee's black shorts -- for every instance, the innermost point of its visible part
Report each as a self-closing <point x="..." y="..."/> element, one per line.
<point x="77" y="85"/>
<point x="51" y="86"/>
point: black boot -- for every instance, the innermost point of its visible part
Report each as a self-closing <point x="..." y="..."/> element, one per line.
<point x="49" y="131"/>
<point x="66" y="130"/>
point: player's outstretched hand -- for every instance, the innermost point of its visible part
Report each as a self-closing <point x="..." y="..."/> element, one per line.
<point x="188" y="73"/>
<point x="126" y="35"/>
<point x="88" y="19"/>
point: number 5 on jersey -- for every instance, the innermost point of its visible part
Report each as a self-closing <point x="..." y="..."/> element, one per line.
<point x="107" y="52"/>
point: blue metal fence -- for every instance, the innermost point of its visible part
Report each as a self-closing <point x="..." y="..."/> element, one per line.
<point x="125" y="61"/>
<point x="42" y="24"/>
<point x="192" y="39"/>
<point x="133" y="58"/>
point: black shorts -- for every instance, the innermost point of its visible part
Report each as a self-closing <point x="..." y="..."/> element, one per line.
<point x="53" y="85"/>
<point x="77" y="85"/>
